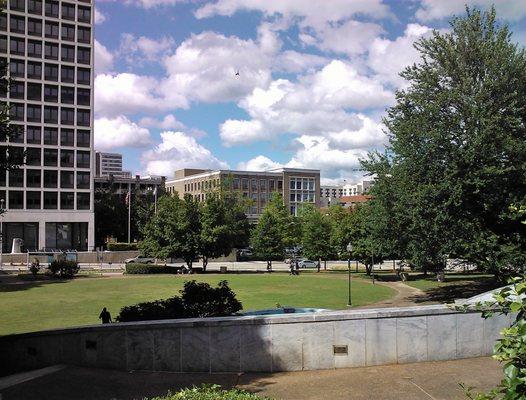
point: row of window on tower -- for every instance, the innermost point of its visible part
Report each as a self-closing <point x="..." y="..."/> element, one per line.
<point x="34" y="91"/>
<point x="49" y="136"/>
<point x="37" y="48"/>
<point x="33" y="113"/>
<point x="54" y="9"/>
<point x="36" y="200"/>
<point x="50" y="29"/>
<point x="36" y="156"/>
<point x="17" y="69"/>
<point x="36" y="178"/>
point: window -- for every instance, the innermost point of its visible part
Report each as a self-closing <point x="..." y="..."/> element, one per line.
<point x="67" y="74"/>
<point x="17" y="154"/>
<point x="83" y="35"/>
<point x="3" y="44"/>
<point x="16" y="178"/>
<point x="50" y="179"/>
<point x="51" y="30"/>
<point x="235" y="184"/>
<point x="67" y="116"/>
<point x="271" y="185"/>
<point x="17" y="68"/>
<point x="83" y="55"/>
<point x="66" y="179"/>
<point x="33" y="156"/>
<point x="34" y="91"/>
<point x="68" y="11"/>
<point x="3" y="22"/>
<point x="83" y="118"/>
<point x="244" y="184"/>
<point x="33" y="200"/>
<point x="51" y="93"/>
<point x="52" y="8"/>
<point x="67" y="95"/>
<point x="83" y="138"/>
<point x="33" y="135"/>
<point x="50" y="115"/>
<point x="263" y="185"/>
<point x="280" y="185"/>
<point x="16" y="90"/>
<point x="67" y="200"/>
<point x="33" y="178"/>
<point x="67" y="137"/>
<point x="16" y="199"/>
<point x="34" y="27"/>
<point x="51" y="73"/>
<point x="17" y="24"/>
<point x="51" y="136"/>
<point x="68" y="53"/>
<point x="84" y="97"/>
<point x="17" y="135"/>
<point x="34" y="70"/>
<point x="34" y="48"/>
<point x="50" y="200"/>
<point x="83" y="159"/>
<point x="84" y="14"/>
<point x="51" y="51"/>
<point x="16" y="112"/>
<point x="50" y="157"/>
<point x="34" y="113"/>
<point x="67" y="158"/>
<point x="83" y="76"/>
<point x="83" y="201"/>
<point x="17" y="46"/>
<point x="254" y="185"/>
<point x="17" y="5"/>
<point x="34" y="6"/>
<point x="68" y="32"/>
<point x="83" y="180"/>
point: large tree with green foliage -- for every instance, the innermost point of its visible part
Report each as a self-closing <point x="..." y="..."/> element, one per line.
<point x="457" y="153"/>
<point x="316" y="230"/>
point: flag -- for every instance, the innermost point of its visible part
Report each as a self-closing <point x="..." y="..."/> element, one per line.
<point x="127" y="199"/>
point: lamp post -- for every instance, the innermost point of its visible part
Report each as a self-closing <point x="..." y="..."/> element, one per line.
<point x="349" y="251"/>
<point x="2" y="202"/>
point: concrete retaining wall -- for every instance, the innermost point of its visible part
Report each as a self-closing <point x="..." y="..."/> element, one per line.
<point x="267" y="344"/>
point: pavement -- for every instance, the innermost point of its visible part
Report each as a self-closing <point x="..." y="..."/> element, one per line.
<point x="429" y="380"/>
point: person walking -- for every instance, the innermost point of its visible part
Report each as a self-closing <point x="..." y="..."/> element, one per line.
<point x="105" y="316"/>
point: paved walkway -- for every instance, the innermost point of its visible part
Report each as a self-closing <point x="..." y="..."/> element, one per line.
<point x="405" y="296"/>
<point x="422" y="381"/>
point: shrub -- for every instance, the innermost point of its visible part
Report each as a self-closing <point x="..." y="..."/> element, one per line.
<point x="123" y="247"/>
<point x="64" y="268"/>
<point x="138" y="269"/>
<point x="210" y="392"/>
<point x="197" y="300"/>
<point x="34" y="268"/>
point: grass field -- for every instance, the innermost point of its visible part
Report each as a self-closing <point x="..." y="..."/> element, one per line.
<point x="450" y="280"/>
<point x="31" y="306"/>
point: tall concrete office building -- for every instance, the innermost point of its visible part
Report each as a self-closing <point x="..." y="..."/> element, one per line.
<point x="48" y="45"/>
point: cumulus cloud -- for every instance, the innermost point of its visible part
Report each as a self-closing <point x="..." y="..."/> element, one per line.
<point x="146" y="3"/>
<point x="178" y="150"/>
<point x="369" y="134"/>
<point x="111" y="133"/>
<point x="167" y="123"/>
<point x="512" y="10"/>
<point x="103" y="58"/>
<point x="259" y="163"/>
<point x="138" y="49"/>
<point x="99" y="16"/>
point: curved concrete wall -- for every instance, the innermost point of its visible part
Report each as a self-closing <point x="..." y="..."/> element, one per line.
<point x="280" y="343"/>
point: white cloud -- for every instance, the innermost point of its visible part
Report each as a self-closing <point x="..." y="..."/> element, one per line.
<point x="389" y="57"/>
<point x="512" y="10"/>
<point x="129" y="93"/>
<point x="103" y="58"/>
<point x="259" y="163"/>
<point x="137" y="49"/>
<point x="312" y="13"/>
<point x="99" y="16"/>
<point x="146" y="3"/>
<point x="167" y="123"/>
<point x="111" y="133"/>
<point x="178" y="150"/>
<point x="370" y="134"/>
<point x="235" y="132"/>
<point x="296" y="62"/>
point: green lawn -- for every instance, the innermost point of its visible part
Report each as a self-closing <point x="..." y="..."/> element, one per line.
<point x="31" y="306"/>
<point x="431" y="282"/>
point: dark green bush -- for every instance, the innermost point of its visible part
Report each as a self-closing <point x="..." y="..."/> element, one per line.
<point x="210" y="392"/>
<point x="197" y="300"/>
<point x="138" y="269"/>
<point x="123" y="247"/>
<point x="64" y="268"/>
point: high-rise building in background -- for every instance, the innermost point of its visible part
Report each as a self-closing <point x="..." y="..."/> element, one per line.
<point x="109" y="164"/>
<point x="49" y="48"/>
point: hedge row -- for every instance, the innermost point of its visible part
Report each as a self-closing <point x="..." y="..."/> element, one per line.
<point x="122" y="247"/>
<point x="137" y="269"/>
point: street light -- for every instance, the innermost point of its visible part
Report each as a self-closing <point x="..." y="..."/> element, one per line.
<point x="349" y="251"/>
<point x="2" y="202"/>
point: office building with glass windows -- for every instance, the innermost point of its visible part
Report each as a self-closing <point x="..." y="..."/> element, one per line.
<point x="48" y="45"/>
<point x="297" y="186"/>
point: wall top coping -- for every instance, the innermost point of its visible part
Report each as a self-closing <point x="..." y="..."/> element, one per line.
<point x="324" y="316"/>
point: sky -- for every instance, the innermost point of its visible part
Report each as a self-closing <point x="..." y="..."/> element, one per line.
<point x="258" y="84"/>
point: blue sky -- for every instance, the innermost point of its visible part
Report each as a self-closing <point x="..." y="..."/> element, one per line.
<point x="315" y="78"/>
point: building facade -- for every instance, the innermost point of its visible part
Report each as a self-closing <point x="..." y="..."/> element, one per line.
<point x="48" y="46"/>
<point x="120" y="185"/>
<point x="297" y="186"/>
<point x="109" y="164"/>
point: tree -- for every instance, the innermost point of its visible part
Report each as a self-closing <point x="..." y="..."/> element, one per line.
<point x="457" y="152"/>
<point x="271" y="235"/>
<point x="316" y="235"/>
<point x="111" y="216"/>
<point x="216" y="234"/>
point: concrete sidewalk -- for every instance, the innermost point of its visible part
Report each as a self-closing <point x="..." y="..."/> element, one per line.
<point x="432" y="380"/>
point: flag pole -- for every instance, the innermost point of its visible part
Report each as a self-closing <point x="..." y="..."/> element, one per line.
<point x="129" y="212"/>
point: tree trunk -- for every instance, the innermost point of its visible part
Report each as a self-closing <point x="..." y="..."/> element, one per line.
<point x="319" y="265"/>
<point x="189" y="263"/>
<point x="269" y="265"/>
<point x="205" y="263"/>
<point x="325" y="265"/>
<point x="368" y="269"/>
